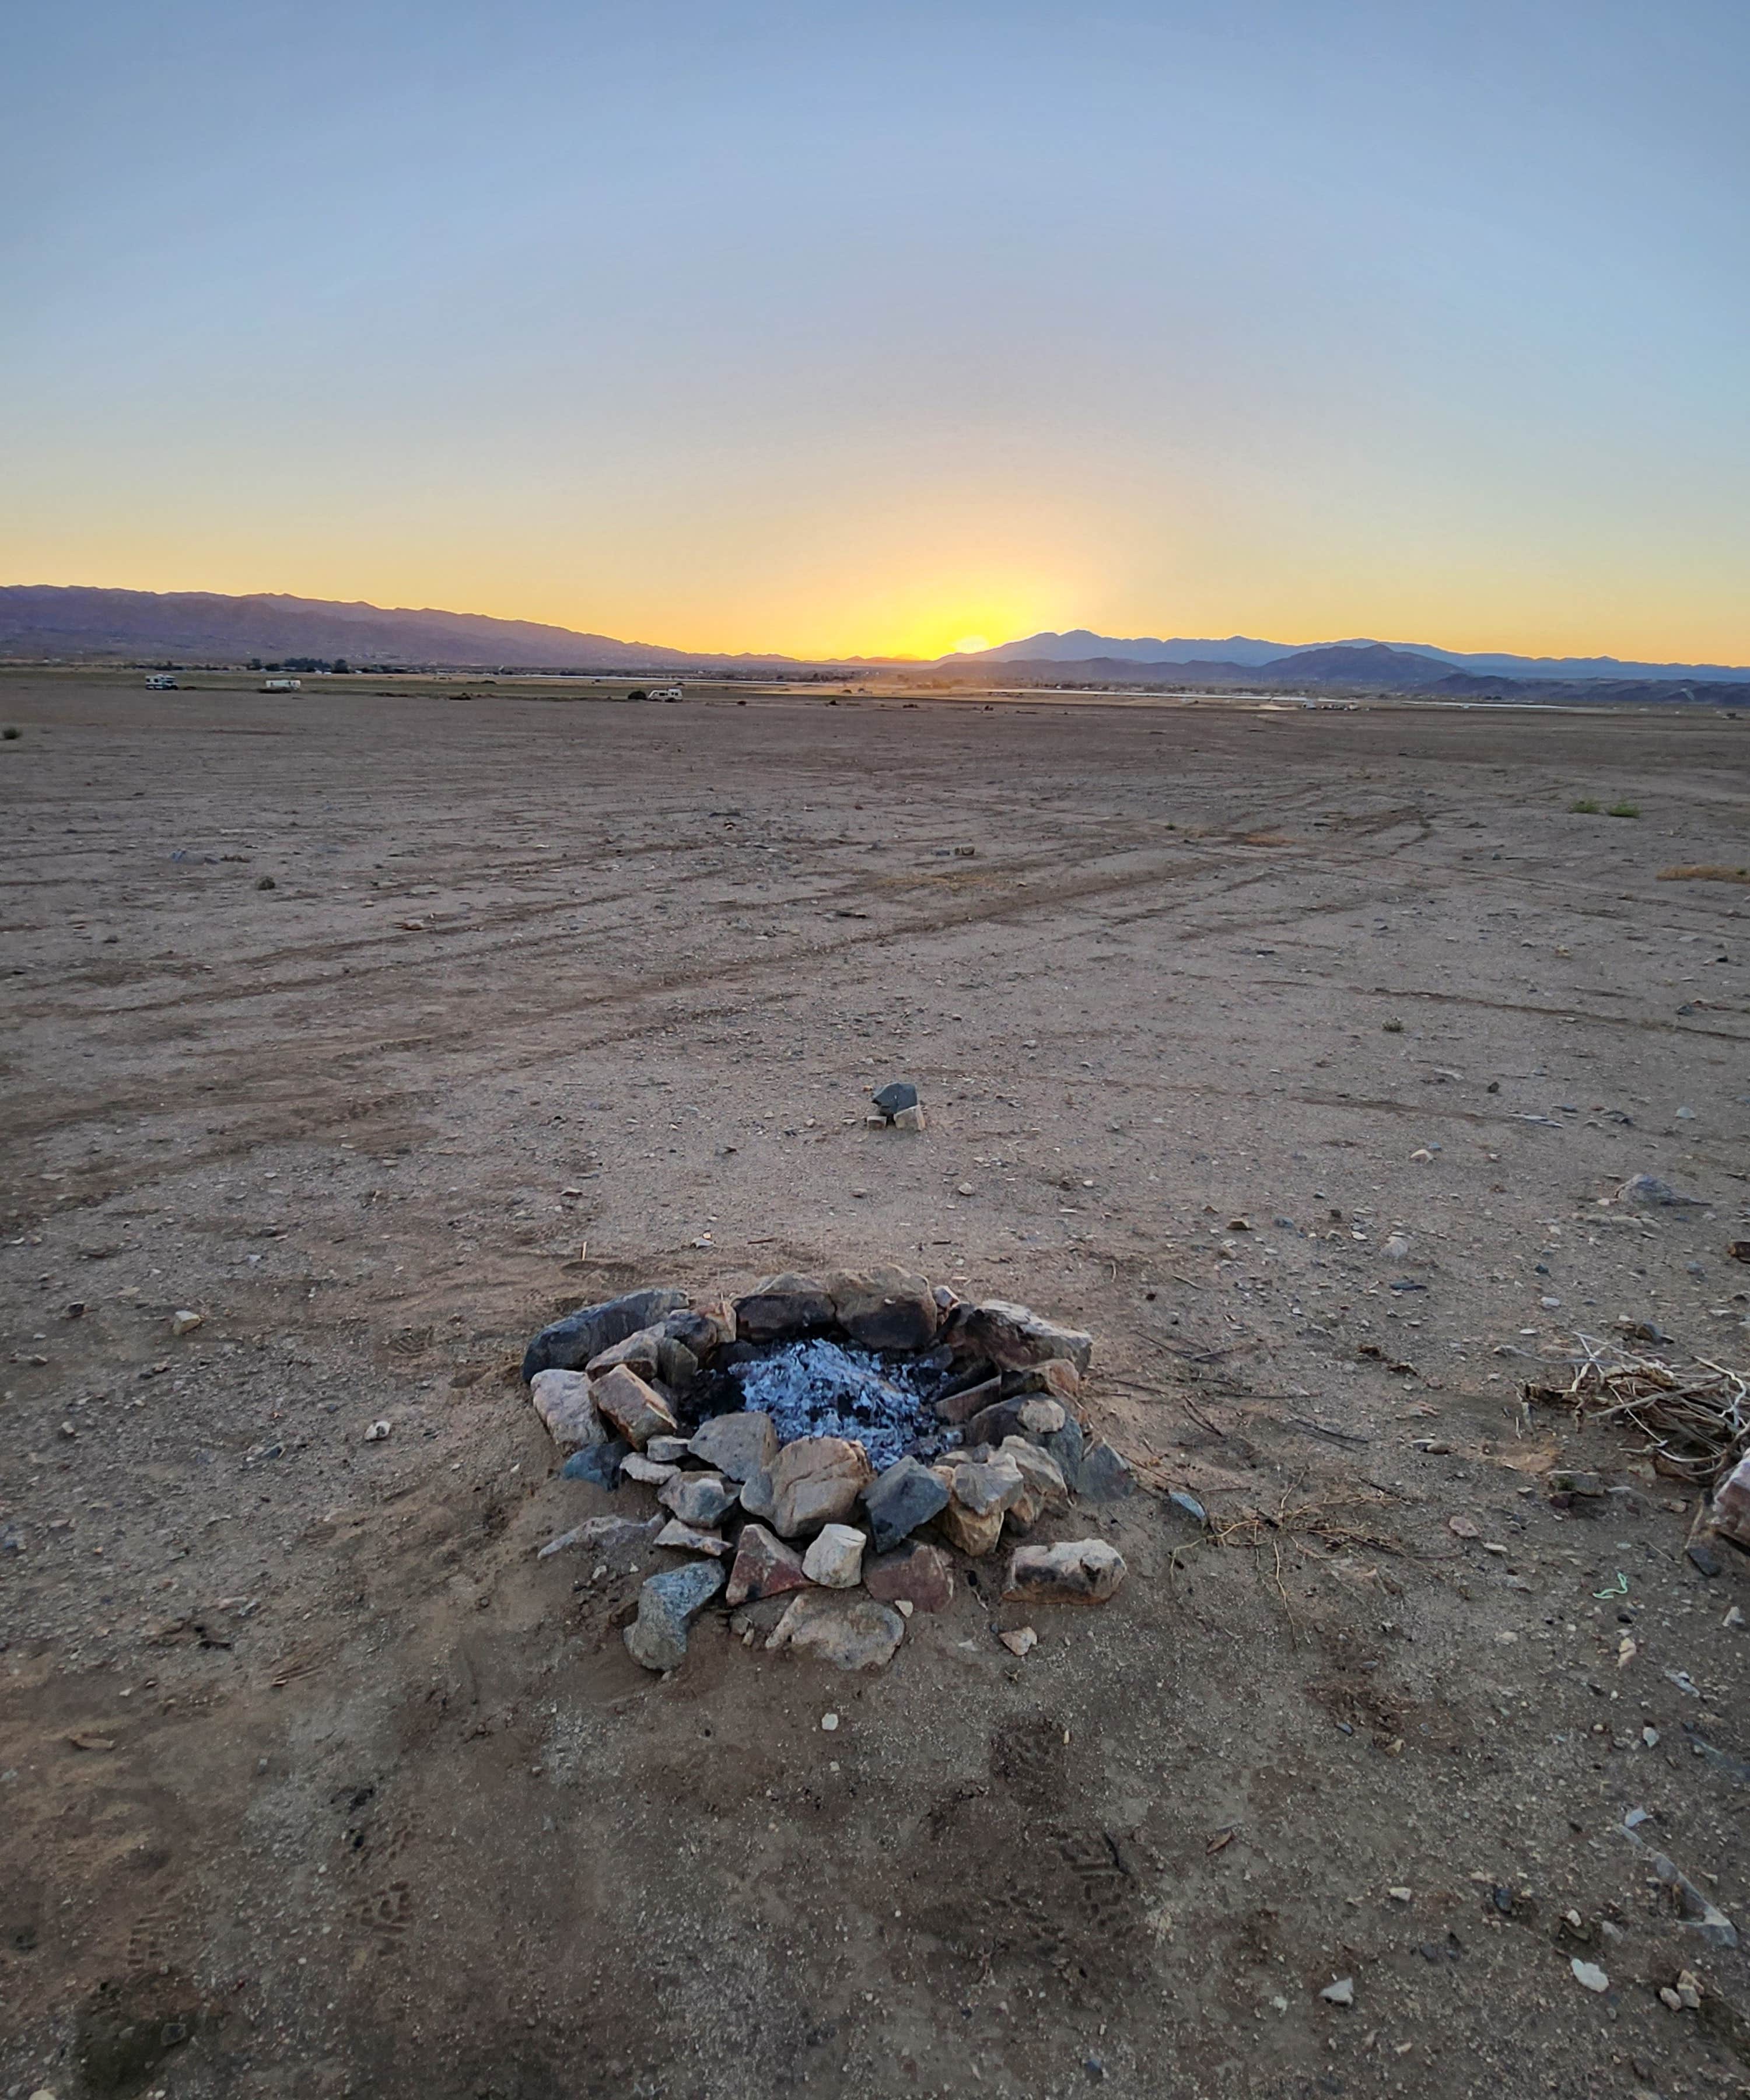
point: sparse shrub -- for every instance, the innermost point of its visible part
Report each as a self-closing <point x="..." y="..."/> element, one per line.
<point x="1585" y="807"/>
<point x="1622" y="810"/>
<point x="11" y="735"/>
<point x="1392" y="1027"/>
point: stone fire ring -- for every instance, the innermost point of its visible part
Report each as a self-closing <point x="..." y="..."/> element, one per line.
<point x="632" y="1390"/>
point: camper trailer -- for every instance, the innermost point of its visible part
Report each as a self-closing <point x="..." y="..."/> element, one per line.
<point x="281" y="685"/>
<point x="666" y="693"/>
<point x="160" y="682"/>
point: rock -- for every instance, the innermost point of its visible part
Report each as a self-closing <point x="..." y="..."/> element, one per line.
<point x="1650" y="1193"/>
<point x="568" y="1344"/>
<point x="816" y="1480"/>
<point x="835" y="1558"/>
<point x="1022" y="1641"/>
<point x="186" y="1322"/>
<point x="996" y="1484"/>
<point x="884" y="1309"/>
<point x="1013" y="1337"/>
<point x="1588" y="1974"/>
<point x="1731" y="1504"/>
<point x="1561" y="1481"/>
<point x="664" y="1450"/>
<point x="1045" y="1487"/>
<point x="917" y="1574"/>
<point x="756" y="1496"/>
<point x="599" y="1462"/>
<point x="1104" y="1474"/>
<point x="637" y="1466"/>
<point x="1032" y="1417"/>
<point x="379" y="1431"/>
<point x="974" y="1535"/>
<point x="897" y="1094"/>
<point x="852" y="1634"/>
<point x="561" y="1400"/>
<point x="970" y="1400"/>
<point x="698" y="1498"/>
<point x="947" y="1298"/>
<point x="668" y="1605"/>
<point x="652" y="1352"/>
<point x="765" y="1567"/>
<point x="599" y="1532"/>
<point x="682" y="1538"/>
<point x="907" y="1494"/>
<point x="705" y="1330"/>
<point x="1396" y="1248"/>
<point x="740" y="1444"/>
<point x="638" y="1413"/>
<point x="911" y="1118"/>
<point x="1342" y="1992"/>
<point x="1055" y="1378"/>
<point x="1187" y="1508"/>
<point x="1082" y="1571"/>
<point x="1067" y="1446"/>
<point x="784" y="1308"/>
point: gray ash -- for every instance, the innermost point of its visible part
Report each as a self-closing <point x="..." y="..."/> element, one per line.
<point x="821" y="1388"/>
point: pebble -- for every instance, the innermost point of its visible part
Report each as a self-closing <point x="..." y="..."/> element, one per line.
<point x="379" y="1431"/>
<point x="681" y="1537"/>
<point x="1342" y="1992"/>
<point x="1589" y="1975"/>
<point x="185" y="1322"/>
<point x="1022" y="1641"/>
<point x="829" y="1722"/>
<point x="897" y="1096"/>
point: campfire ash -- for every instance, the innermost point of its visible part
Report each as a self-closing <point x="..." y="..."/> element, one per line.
<point x="821" y="1388"/>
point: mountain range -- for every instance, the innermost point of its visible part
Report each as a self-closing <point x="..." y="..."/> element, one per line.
<point x="80" y="624"/>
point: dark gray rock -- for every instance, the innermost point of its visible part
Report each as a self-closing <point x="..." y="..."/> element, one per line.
<point x="668" y="1605"/>
<point x="1067" y="1446"/>
<point x="740" y="1444"/>
<point x="896" y="1095"/>
<point x="907" y="1494"/>
<point x="885" y="1308"/>
<point x="568" y="1344"/>
<point x="1104" y="1474"/>
<point x="1034" y="1416"/>
<point x="1187" y="1508"/>
<point x="1013" y="1337"/>
<point x="784" y="1308"/>
<point x="599" y="1462"/>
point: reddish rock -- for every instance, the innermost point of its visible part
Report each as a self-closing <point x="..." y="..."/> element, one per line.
<point x="1731" y="1504"/>
<point x="917" y="1574"/>
<point x="636" y="1411"/>
<point x="765" y="1567"/>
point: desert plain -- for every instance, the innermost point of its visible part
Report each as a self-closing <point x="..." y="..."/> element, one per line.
<point x="1300" y="1055"/>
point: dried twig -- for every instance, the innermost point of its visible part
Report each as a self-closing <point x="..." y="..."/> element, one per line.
<point x="1696" y="1418"/>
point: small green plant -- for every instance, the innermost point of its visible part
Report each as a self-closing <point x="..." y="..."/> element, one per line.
<point x="1585" y="807"/>
<point x="1392" y="1027"/>
<point x="1622" y="810"/>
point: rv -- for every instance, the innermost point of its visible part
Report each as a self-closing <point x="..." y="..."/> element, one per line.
<point x="666" y="693"/>
<point x="281" y="685"/>
<point x="161" y="682"/>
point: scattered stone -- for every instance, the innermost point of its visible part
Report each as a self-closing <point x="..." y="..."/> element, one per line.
<point x="1396" y="1248"/>
<point x="828" y="1723"/>
<point x="1104" y="1474"/>
<point x="816" y="1480"/>
<point x="1562" y="1481"/>
<point x="740" y="1444"/>
<point x="835" y="1558"/>
<point x="884" y="1309"/>
<point x="1699" y="1911"/>
<point x="1464" y="1527"/>
<point x="784" y="1308"/>
<point x="561" y="1400"/>
<point x="1342" y="1992"/>
<point x="682" y="1538"/>
<point x="852" y="1634"/>
<point x="911" y="1118"/>
<point x="1731" y="1504"/>
<point x="636" y="1409"/>
<point x="665" y="1450"/>
<point x="1689" y="1991"/>
<point x="568" y="1344"/>
<point x="1013" y="1337"/>
<point x="1650" y="1193"/>
<point x="637" y="1466"/>
<point x="1022" y="1641"/>
<point x="765" y="1567"/>
<point x="185" y="1322"/>
<point x="919" y="1574"/>
<point x="1588" y="1974"/>
<point x="897" y="1094"/>
<point x="1180" y="1504"/>
<point x="1082" y="1571"/>
<point x="668" y="1604"/>
<point x="907" y="1494"/>
<point x="599" y="1462"/>
<point x="380" y="1431"/>
<point x="702" y="1498"/>
<point x="599" y="1532"/>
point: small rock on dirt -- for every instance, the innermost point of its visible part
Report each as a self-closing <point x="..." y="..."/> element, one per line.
<point x="765" y="1567"/>
<point x="919" y="1574"/>
<point x="896" y="1095"/>
<point x="852" y="1634"/>
<point x="1021" y="1640"/>
<point x="1081" y="1571"/>
<point x="1342" y="1992"/>
<point x="1588" y="1974"/>
<point x="1104" y="1474"/>
<point x="668" y="1604"/>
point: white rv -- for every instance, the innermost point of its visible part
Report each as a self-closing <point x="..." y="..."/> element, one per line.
<point x="666" y="693"/>
<point x="161" y="682"/>
<point x="281" y="685"/>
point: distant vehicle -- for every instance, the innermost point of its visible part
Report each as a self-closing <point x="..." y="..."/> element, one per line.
<point x="666" y="693"/>
<point x="161" y="682"/>
<point x="281" y="685"/>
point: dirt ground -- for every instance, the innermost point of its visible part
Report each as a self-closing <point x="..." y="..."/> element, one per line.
<point x="315" y="1781"/>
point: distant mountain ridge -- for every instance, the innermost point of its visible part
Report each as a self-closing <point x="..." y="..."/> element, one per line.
<point x="1082" y="646"/>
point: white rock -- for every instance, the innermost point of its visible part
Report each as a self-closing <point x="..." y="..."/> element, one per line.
<point x="1021" y="1642"/>
<point x="835" y="1558"/>
<point x="378" y="1431"/>
<point x="186" y="1322"/>
<point x="1588" y="1974"/>
<point x="829" y="1722"/>
<point x="1342" y="1992"/>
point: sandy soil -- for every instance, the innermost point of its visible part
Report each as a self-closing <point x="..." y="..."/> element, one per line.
<point x="304" y="1754"/>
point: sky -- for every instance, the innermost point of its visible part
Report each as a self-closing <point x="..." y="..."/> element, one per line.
<point x="889" y="327"/>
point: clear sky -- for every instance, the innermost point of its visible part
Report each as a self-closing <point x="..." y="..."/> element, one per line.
<point x="837" y="327"/>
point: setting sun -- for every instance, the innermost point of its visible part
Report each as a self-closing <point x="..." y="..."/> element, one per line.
<point x="969" y="644"/>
